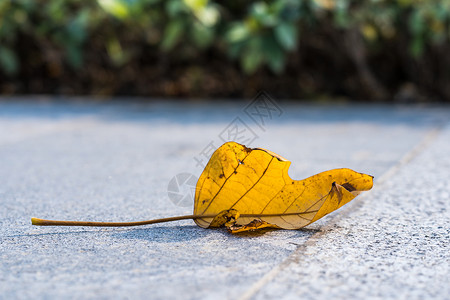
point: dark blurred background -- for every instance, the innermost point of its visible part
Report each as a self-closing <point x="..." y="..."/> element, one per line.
<point x="369" y="50"/>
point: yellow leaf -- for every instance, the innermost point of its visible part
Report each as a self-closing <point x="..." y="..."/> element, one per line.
<point x="249" y="189"/>
<point x="255" y="185"/>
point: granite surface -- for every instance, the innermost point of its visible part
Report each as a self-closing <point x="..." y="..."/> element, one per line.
<point x="113" y="161"/>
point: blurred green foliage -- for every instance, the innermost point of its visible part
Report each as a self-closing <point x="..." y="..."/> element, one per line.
<point x="256" y="34"/>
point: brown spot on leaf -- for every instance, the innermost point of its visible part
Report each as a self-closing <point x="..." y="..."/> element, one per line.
<point x="348" y="187"/>
<point x="246" y="149"/>
<point x="335" y="191"/>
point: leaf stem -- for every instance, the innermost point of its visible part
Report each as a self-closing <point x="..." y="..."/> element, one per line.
<point x="43" y="222"/>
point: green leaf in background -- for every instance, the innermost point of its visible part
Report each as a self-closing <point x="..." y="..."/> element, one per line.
<point x="237" y="33"/>
<point x="251" y="61"/>
<point x="417" y="26"/>
<point x="196" y="4"/>
<point x="341" y="14"/>
<point x="263" y="15"/>
<point x="74" y="55"/>
<point x="274" y="54"/>
<point x="172" y="34"/>
<point x="201" y="35"/>
<point x="286" y="35"/>
<point x="205" y="13"/>
<point x="8" y="61"/>
<point x="209" y="15"/>
<point x="253" y="55"/>
<point x="77" y="29"/>
<point x="416" y="46"/>
<point x="117" y="8"/>
<point x="116" y="53"/>
<point x="175" y="8"/>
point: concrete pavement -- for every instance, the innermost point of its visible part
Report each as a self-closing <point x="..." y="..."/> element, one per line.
<point x="113" y="162"/>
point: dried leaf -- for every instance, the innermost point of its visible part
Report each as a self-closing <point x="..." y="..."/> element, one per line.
<point x="252" y="226"/>
<point x="249" y="189"/>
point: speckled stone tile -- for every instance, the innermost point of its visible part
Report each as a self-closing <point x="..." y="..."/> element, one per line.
<point x="396" y="245"/>
<point x="113" y="162"/>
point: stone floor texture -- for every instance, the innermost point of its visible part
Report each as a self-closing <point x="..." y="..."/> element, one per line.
<point x="113" y="161"/>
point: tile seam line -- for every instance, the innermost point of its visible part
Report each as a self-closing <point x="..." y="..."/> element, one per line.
<point x="294" y="257"/>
